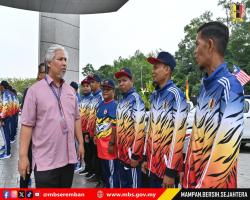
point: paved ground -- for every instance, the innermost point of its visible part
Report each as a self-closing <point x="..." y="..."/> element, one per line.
<point x="9" y="177"/>
<point x="244" y="167"/>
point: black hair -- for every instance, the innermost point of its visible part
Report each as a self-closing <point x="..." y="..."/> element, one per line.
<point x="5" y="84"/>
<point x="216" y="31"/>
<point x="40" y="67"/>
<point x="74" y="85"/>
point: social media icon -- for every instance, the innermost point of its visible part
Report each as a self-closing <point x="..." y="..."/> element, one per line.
<point x="21" y="194"/>
<point x="6" y="194"/>
<point x="13" y="194"/>
<point x="37" y="194"/>
<point x="29" y="194"/>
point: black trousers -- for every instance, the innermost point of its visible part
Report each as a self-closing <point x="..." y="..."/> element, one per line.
<point x="25" y="182"/>
<point x="145" y="181"/>
<point x="55" y="178"/>
<point x="96" y="163"/>
<point x="87" y="153"/>
<point x="93" y="164"/>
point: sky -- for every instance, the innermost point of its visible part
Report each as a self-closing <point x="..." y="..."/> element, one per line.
<point x="145" y="25"/>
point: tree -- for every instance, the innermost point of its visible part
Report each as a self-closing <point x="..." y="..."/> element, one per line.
<point x="237" y="51"/>
<point x="146" y="93"/>
<point x="186" y="66"/>
<point x="20" y="85"/>
<point x="137" y="63"/>
<point x="239" y="43"/>
<point x="106" y="71"/>
<point x="88" y="69"/>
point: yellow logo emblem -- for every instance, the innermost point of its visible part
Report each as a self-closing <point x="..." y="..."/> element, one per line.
<point x="211" y="103"/>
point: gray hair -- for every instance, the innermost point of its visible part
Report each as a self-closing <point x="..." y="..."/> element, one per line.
<point x="50" y="54"/>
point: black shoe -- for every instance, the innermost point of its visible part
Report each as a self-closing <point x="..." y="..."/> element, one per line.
<point x="84" y="172"/>
<point x="89" y="176"/>
<point x="100" y="184"/>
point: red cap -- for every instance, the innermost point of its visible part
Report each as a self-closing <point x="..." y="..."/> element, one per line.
<point x="123" y="72"/>
<point x="153" y="60"/>
<point x="85" y="81"/>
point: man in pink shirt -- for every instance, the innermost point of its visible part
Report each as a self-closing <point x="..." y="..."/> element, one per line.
<point x="50" y="116"/>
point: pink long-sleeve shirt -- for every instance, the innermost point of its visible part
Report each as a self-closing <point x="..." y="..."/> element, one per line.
<point x="51" y="148"/>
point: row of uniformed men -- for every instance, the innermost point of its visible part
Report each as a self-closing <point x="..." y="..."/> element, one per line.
<point x="124" y="149"/>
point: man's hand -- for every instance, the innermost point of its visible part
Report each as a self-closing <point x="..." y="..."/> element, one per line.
<point x="111" y="149"/>
<point x="86" y="138"/>
<point x="23" y="166"/>
<point x="23" y="163"/>
<point x="134" y="163"/>
<point x="144" y="167"/>
<point x="80" y="152"/>
<point x="168" y="182"/>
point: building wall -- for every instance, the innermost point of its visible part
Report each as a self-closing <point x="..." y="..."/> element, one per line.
<point x="61" y="29"/>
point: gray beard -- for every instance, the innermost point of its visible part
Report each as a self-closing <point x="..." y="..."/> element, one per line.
<point x="61" y="75"/>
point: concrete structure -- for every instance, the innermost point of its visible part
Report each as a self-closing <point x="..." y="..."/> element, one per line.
<point x="64" y="30"/>
<point x="66" y="6"/>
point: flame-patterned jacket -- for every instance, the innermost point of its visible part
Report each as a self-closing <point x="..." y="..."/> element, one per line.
<point x="94" y="103"/>
<point x="130" y="127"/>
<point x="7" y="104"/>
<point x="211" y="160"/>
<point x="16" y="105"/>
<point x="84" y="110"/>
<point x="167" y="129"/>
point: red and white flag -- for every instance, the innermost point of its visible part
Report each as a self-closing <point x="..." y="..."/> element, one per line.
<point x="242" y="76"/>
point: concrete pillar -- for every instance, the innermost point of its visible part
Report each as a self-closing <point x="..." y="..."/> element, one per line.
<point x="61" y="29"/>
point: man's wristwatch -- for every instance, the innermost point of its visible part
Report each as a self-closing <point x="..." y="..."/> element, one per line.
<point x="111" y="143"/>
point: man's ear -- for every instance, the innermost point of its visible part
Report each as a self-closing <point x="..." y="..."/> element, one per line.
<point x="167" y="68"/>
<point x="211" y="45"/>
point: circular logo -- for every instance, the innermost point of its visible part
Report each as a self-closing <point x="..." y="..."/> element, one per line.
<point x="105" y="112"/>
<point x="100" y="194"/>
<point x="211" y="103"/>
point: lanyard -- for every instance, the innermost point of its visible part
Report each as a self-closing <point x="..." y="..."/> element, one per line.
<point x="57" y="97"/>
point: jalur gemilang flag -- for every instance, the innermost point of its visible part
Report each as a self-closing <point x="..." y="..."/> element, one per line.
<point x="242" y="76"/>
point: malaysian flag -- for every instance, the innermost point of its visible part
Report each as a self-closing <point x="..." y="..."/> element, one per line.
<point x="242" y="76"/>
